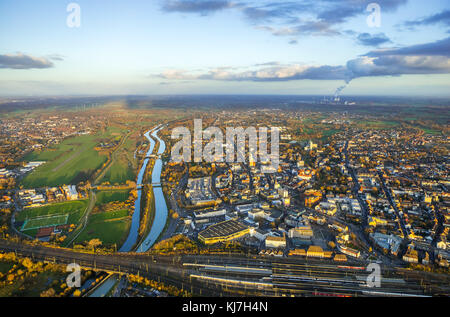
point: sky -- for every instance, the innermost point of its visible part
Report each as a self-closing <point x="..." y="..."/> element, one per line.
<point x="225" y="47"/>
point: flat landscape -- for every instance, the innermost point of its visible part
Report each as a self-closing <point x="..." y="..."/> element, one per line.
<point x="110" y="227"/>
<point x="104" y="197"/>
<point x="225" y="148"/>
<point x="72" y="161"/>
<point x="123" y="165"/>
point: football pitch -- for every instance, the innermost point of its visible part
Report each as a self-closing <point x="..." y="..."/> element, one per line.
<point x="45" y="221"/>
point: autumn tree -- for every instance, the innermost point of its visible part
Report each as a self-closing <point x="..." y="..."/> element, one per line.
<point x="94" y="243"/>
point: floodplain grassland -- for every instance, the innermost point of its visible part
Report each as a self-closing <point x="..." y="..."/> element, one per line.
<point x="107" y="196"/>
<point x="123" y="166"/>
<point x="72" y="161"/>
<point x="110" y="227"/>
<point x="110" y="220"/>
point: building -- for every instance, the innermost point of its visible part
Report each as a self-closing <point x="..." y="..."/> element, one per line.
<point x="411" y="256"/>
<point x="310" y="146"/>
<point x="315" y="251"/>
<point x="71" y="192"/>
<point x="209" y="213"/>
<point x="269" y="215"/>
<point x="244" y="208"/>
<point x="426" y="259"/>
<point x="223" y="231"/>
<point x="199" y="192"/>
<point x="200" y="223"/>
<point x="389" y="243"/>
<point x="275" y="242"/>
<point x="312" y="197"/>
<point x="258" y="234"/>
<point x="340" y="258"/>
<point x="349" y="251"/>
<point x="297" y="252"/>
<point x="328" y="208"/>
<point x="302" y="232"/>
<point x="376" y="221"/>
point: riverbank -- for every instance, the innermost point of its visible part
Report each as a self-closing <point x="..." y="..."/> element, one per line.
<point x="148" y="214"/>
<point x="132" y="238"/>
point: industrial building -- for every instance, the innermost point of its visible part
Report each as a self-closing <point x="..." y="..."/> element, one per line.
<point x="223" y="231"/>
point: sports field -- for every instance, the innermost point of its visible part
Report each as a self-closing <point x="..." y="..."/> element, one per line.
<point x="68" y="212"/>
<point x="46" y="221"/>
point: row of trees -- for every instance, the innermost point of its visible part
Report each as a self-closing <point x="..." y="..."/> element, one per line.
<point x="171" y="290"/>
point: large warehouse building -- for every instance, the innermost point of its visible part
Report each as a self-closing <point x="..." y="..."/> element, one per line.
<point x="223" y="231"/>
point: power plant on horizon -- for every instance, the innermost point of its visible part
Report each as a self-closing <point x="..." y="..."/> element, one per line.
<point x="336" y="100"/>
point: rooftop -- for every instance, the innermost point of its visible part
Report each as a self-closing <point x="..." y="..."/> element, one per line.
<point x="222" y="229"/>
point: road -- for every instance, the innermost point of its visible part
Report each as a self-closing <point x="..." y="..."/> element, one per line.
<point x="393" y="205"/>
<point x="84" y="220"/>
<point x="355" y="189"/>
<point x="362" y="203"/>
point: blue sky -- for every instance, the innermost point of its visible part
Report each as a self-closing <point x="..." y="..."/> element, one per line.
<point x="224" y="47"/>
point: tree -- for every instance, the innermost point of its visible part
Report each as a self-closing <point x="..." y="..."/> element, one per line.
<point x="48" y="293"/>
<point x="10" y="277"/>
<point x="94" y="243"/>
<point x="77" y="293"/>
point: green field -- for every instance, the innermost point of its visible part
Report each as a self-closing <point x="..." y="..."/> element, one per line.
<point x="110" y="227"/>
<point x="47" y="221"/>
<point x="70" y="162"/>
<point x="431" y="131"/>
<point x="74" y="210"/>
<point x="123" y="165"/>
<point x="119" y="172"/>
<point x="328" y="133"/>
<point x="381" y="124"/>
<point x="104" y="197"/>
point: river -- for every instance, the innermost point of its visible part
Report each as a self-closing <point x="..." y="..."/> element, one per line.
<point x="134" y="229"/>
<point x="161" y="210"/>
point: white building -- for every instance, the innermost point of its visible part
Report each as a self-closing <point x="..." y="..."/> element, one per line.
<point x="258" y="234"/>
<point x="302" y="232"/>
<point x="275" y="242"/>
